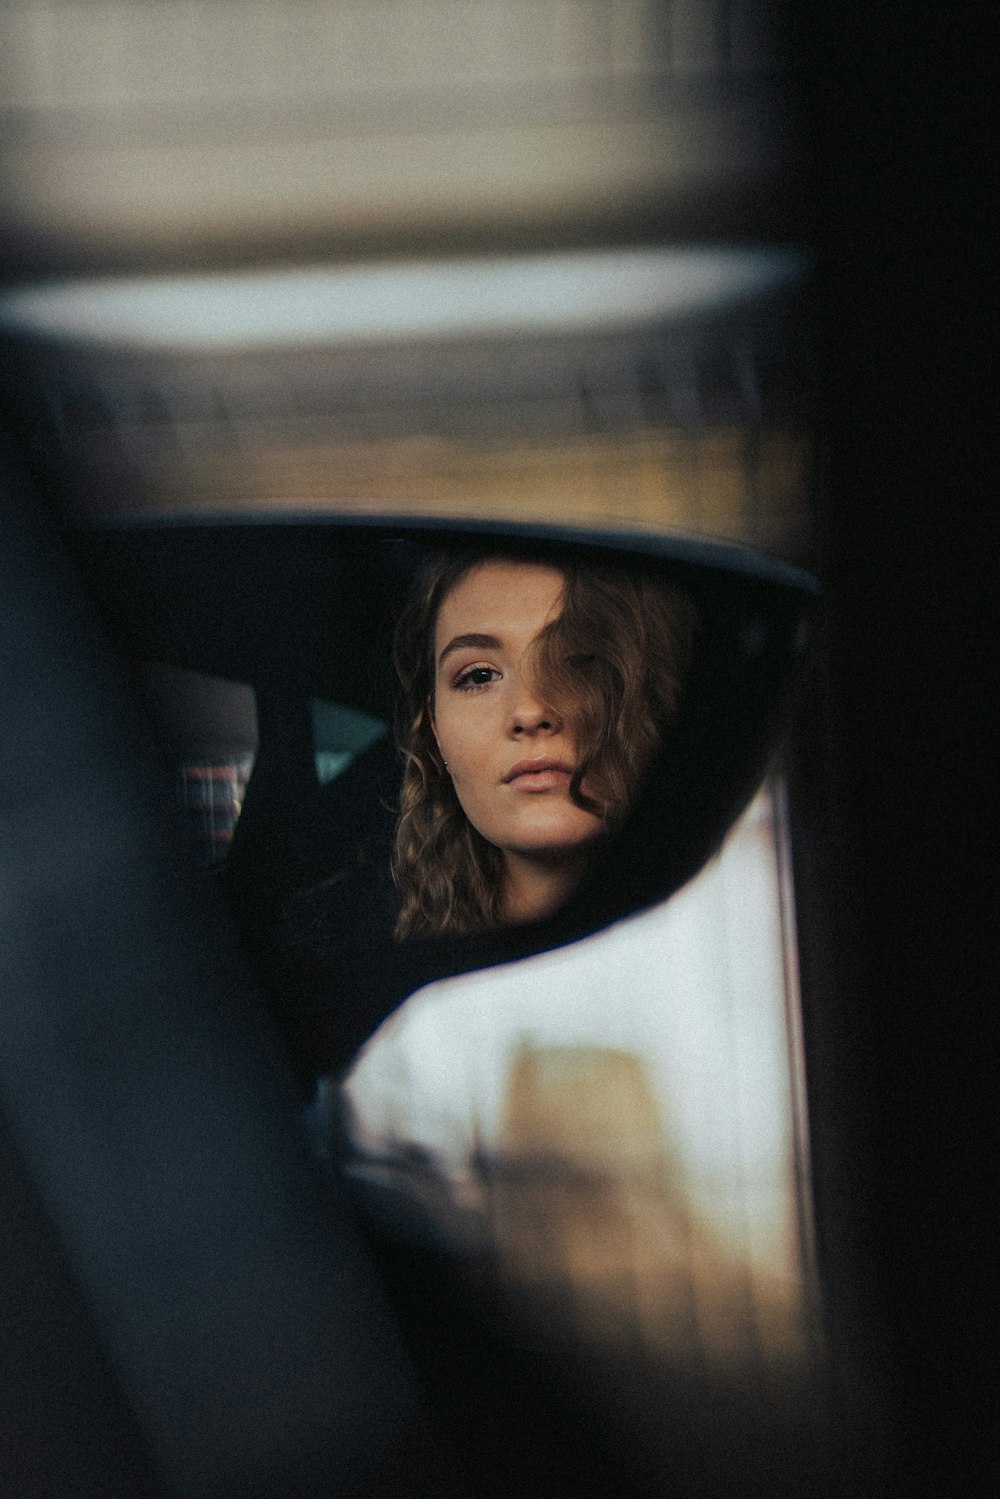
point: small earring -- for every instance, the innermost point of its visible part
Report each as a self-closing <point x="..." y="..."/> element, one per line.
<point x="446" y="765"/>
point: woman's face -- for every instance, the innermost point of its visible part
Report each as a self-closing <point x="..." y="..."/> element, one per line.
<point x="510" y="756"/>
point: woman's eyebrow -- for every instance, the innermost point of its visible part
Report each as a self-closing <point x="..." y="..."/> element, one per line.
<point x="460" y="642"/>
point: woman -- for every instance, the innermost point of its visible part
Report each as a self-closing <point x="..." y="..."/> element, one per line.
<point x="535" y="698"/>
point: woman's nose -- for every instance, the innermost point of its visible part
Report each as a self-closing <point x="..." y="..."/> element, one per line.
<point x="531" y="716"/>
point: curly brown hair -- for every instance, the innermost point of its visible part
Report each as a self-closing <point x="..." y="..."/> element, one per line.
<point x="613" y="663"/>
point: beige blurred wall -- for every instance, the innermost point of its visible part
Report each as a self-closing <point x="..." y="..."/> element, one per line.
<point x="172" y="134"/>
<point x="149" y="129"/>
<point x="714" y="483"/>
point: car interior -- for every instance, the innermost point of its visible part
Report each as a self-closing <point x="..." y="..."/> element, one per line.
<point x="681" y="1190"/>
<point x="192" y="610"/>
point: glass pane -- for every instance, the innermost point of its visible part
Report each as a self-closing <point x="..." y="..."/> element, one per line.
<point x="339" y="734"/>
<point x="612" y="1132"/>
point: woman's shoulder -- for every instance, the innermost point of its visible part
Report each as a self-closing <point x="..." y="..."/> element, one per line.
<point x="326" y="957"/>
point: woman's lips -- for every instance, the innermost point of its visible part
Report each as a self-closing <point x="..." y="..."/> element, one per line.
<point x="538" y="775"/>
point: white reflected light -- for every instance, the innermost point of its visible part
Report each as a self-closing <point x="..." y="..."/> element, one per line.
<point x="573" y="292"/>
<point x="616" y="1120"/>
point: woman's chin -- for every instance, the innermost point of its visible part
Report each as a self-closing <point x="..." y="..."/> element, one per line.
<point x="556" y="852"/>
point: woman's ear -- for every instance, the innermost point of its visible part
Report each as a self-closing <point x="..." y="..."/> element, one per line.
<point x="437" y="737"/>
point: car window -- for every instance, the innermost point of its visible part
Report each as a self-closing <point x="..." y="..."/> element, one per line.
<point x="600" y="1154"/>
<point x="339" y="735"/>
<point x="609" y="1137"/>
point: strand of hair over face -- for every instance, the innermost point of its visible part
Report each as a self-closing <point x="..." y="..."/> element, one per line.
<point x="614" y="664"/>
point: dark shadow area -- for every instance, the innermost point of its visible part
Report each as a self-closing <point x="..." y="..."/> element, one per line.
<point x="897" y="759"/>
<point x="151" y="1107"/>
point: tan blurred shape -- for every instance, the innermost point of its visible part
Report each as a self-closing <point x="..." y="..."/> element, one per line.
<point x="704" y="483"/>
<point x="138" y="130"/>
<point x="598" y="1231"/>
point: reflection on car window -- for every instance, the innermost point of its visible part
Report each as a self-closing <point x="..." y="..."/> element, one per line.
<point x="614" y="1127"/>
<point x="210" y="792"/>
<point x="339" y="734"/>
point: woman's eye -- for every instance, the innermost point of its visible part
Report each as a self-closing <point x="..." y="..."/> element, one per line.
<point x="476" y="676"/>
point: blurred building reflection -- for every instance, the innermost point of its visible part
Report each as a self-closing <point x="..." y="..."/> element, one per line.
<point x="343" y="140"/>
<point x="667" y="390"/>
<point x="615" y="1131"/>
<point x="145" y="131"/>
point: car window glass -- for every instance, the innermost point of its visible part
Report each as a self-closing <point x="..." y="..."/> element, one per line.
<point x="615" y="1127"/>
<point x="339" y="735"/>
